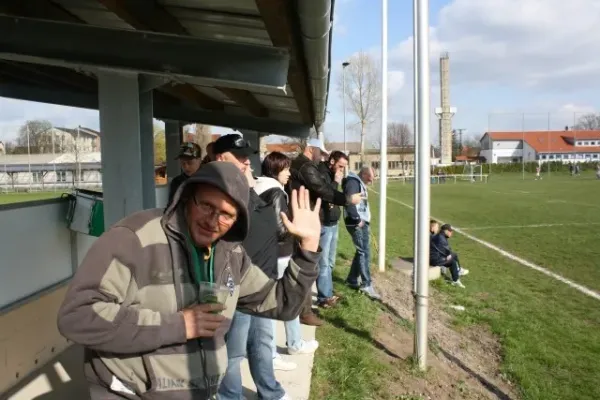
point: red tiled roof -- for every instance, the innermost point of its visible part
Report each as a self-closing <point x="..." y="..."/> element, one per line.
<point x="552" y="141"/>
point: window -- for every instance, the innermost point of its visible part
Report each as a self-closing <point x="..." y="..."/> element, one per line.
<point x="37" y="177"/>
<point x="394" y="164"/>
<point x="595" y="155"/>
<point x="578" y="143"/>
<point x="375" y="164"/>
<point x="593" y="143"/>
<point x="357" y="165"/>
<point x="586" y="143"/>
<point x="543" y="156"/>
<point x="61" y="176"/>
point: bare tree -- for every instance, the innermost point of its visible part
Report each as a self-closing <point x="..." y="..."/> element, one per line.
<point x="200" y="134"/>
<point x="37" y="134"/>
<point x="300" y="143"/>
<point x="160" y="145"/>
<point x="400" y="136"/>
<point x="363" y="92"/>
<point x="588" y="122"/>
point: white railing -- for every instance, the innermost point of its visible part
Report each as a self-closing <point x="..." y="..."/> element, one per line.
<point x="440" y="179"/>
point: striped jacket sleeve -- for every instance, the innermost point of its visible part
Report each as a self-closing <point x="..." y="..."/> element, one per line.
<point x="278" y="299"/>
<point x="94" y="314"/>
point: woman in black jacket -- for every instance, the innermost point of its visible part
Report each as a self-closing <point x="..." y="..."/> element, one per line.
<point x="270" y="187"/>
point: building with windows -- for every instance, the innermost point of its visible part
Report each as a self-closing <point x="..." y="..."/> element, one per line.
<point x="564" y="146"/>
<point x="22" y="172"/>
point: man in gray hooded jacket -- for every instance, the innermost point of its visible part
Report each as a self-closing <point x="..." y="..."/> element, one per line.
<point x="133" y="302"/>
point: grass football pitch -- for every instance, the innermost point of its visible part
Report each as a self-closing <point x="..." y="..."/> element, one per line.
<point x="550" y="332"/>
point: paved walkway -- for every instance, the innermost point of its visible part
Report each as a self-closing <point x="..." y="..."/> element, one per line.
<point x="62" y="378"/>
<point x="297" y="382"/>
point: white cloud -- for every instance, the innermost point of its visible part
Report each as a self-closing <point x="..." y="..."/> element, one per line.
<point x="541" y="44"/>
<point x="13" y="113"/>
<point x="396" y="82"/>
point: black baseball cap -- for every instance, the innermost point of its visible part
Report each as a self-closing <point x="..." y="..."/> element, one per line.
<point x="235" y="144"/>
<point x="446" y="227"/>
<point x="189" y="150"/>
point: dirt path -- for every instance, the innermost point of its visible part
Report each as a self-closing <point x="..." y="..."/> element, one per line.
<point x="463" y="365"/>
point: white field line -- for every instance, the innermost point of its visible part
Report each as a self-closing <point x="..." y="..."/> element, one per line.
<point x="570" y="283"/>
<point x="481" y="228"/>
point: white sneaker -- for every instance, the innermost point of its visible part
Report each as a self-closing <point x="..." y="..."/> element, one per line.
<point x="370" y="291"/>
<point x="459" y="284"/>
<point x="307" y="347"/>
<point x="443" y="270"/>
<point x="463" y="272"/>
<point x="279" y="364"/>
<point x="285" y="397"/>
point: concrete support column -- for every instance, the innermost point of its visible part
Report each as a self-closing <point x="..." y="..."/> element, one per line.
<point x="127" y="145"/>
<point x="254" y="138"/>
<point x="173" y="135"/>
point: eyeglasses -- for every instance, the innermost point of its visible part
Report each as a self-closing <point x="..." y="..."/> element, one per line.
<point x="207" y="210"/>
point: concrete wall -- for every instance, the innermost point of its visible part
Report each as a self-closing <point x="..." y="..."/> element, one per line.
<point x="39" y="255"/>
<point x="35" y="249"/>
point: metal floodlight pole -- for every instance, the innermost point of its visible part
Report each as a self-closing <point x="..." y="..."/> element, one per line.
<point x="548" y="146"/>
<point x="384" y="116"/>
<point x="423" y="176"/>
<point x="523" y="145"/>
<point x="415" y="149"/>
<point x="29" y="158"/>
<point x="344" y="65"/>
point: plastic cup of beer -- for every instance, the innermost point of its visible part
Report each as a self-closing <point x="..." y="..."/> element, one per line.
<point x="212" y="293"/>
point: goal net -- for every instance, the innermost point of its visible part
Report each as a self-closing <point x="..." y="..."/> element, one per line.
<point x="472" y="173"/>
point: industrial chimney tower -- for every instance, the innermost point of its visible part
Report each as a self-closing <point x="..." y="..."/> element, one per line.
<point x="445" y="112"/>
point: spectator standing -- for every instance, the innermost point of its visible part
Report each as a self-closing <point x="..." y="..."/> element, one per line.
<point x="358" y="224"/>
<point x="305" y="172"/>
<point x="134" y="302"/>
<point x="270" y="187"/>
<point x="252" y="336"/>
<point x="332" y="171"/>
<point x="189" y="158"/>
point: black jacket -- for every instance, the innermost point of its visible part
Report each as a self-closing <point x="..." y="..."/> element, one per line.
<point x="175" y="183"/>
<point x="330" y="213"/>
<point x="439" y="249"/>
<point x="278" y="199"/>
<point x="305" y="172"/>
<point x="351" y="187"/>
<point x="261" y="242"/>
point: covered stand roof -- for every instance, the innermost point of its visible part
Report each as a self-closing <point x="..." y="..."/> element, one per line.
<point x="261" y="65"/>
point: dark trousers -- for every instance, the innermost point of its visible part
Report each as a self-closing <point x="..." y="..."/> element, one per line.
<point x="454" y="266"/>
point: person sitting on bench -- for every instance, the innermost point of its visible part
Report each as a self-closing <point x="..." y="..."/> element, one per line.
<point x="441" y="254"/>
<point x="434" y="228"/>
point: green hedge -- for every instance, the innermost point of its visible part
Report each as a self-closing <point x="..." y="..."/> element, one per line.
<point x="555" y="166"/>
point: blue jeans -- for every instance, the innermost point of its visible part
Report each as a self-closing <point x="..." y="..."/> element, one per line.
<point x="361" y="263"/>
<point x="328" y="243"/>
<point x="252" y="336"/>
<point x="292" y="328"/>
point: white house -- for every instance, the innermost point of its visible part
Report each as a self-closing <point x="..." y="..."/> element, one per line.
<point x="564" y="146"/>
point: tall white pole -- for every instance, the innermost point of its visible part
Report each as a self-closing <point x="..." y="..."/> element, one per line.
<point x="423" y="176"/>
<point x="29" y="158"/>
<point x="523" y="145"/>
<point x="416" y="147"/>
<point x="344" y="104"/>
<point x="384" y="117"/>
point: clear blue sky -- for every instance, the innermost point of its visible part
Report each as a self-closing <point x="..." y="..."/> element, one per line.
<point x="507" y="57"/>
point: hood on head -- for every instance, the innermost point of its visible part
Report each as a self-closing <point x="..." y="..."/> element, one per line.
<point x="229" y="179"/>
<point x="264" y="183"/>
